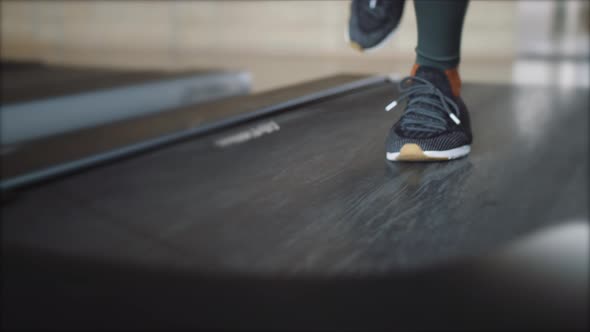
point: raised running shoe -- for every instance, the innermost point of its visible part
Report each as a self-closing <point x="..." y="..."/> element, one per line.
<point x="373" y="22"/>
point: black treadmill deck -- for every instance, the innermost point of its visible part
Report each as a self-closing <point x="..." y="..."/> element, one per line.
<point x="317" y="196"/>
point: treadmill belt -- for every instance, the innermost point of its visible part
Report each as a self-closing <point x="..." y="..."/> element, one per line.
<point x="308" y="191"/>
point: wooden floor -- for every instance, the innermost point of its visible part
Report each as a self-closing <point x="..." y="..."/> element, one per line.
<point x="275" y="71"/>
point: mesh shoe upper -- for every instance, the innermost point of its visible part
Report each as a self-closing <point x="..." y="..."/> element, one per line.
<point x="426" y="121"/>
<point x="371" y="18"/>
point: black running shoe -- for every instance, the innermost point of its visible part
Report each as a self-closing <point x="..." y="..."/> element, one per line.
<point x="434" y="125"/>
<point x="372" y="22"/>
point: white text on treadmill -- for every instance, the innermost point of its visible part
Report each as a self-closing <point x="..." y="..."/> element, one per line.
<point x="246" y="135"/>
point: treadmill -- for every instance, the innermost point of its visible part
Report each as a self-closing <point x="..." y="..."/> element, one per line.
<point x="278" y="210"/>
<point x="40" y="100"/>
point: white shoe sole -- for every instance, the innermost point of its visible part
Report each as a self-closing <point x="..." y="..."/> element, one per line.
<point x="413" y="152"/>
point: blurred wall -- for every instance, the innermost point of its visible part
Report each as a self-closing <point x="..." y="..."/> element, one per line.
<point x="225" y="33"/>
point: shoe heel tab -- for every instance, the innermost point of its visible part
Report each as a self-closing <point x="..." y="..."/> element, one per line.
<point x="454" y="80"/>
<point x="414" y="69"/>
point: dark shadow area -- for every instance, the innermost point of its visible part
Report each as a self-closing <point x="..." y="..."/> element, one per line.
<point x="52" y="292"/>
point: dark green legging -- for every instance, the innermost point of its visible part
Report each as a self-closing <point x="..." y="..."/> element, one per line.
<point x="440" y="23"/>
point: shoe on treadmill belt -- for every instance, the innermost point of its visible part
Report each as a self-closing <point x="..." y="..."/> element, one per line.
<point x="372" y="22"/>
<point x="434" y="124"/>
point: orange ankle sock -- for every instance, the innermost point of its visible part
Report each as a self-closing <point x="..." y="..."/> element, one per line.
<point x="452" y="75"/>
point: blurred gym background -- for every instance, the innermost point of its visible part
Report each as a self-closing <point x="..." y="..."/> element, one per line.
<point x="285" y="42"/>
